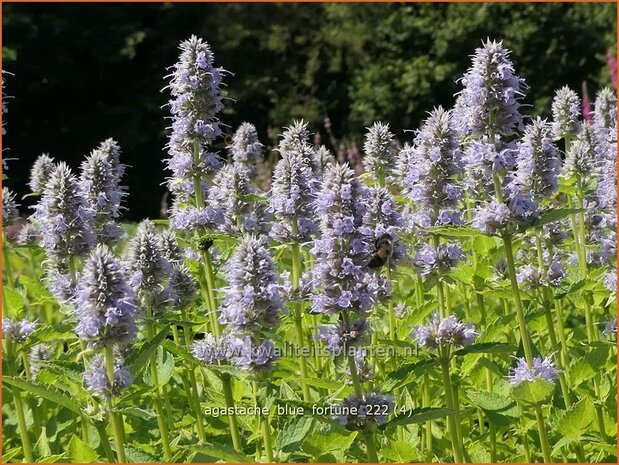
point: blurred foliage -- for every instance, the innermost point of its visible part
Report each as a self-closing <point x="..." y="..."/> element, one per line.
<point x="85" y="72"/>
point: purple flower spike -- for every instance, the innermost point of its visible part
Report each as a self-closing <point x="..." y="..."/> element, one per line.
<point x="357" y="413"/>
<point x="65" y="218"/>
<point x="106" y="305"/>
<point x="98" y="383"/>
<point x="196" y="101"/>
<point x="17" y="331"/>
<point x="446" y="331"/>
<point x="490" y="100"/>
<point x="252" y="298"/>
<point x="292" y="192"/>
<point x="430" y="168"/>
<point x="541" y="369"/>
<point x="432" y="261"/>
<point x="149" y="270"/>
<point x="538" y="162"/>
<point x="227" y="196"/>
<point x="342" y="281"/>
<point x="99" y="184"/>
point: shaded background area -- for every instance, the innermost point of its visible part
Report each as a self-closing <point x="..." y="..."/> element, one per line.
<point x="85" y="72"/>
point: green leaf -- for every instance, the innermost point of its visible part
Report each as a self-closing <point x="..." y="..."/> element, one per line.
<point x="80" y="452"/>
<point x="487" y="348"/>
<point x="321" y="383"/>
<point x="489" y="400"/>
<point x="555" y="214"/>
<point x="400" y="452"/>
<point x="570" y="290"/>
<point x="42" y="445"/>
<point x="14" y="301"/>
<point x="165" y="366"/>
<point x="419" y="416"/>
<point x="45" y="392"/>
<point x="533" y="392"/>
<point x="252" y="198"/>
<point x="408" y="371"/>
<point x="138" y="456"/>
<point x="138" y="360"/>
<point x="576" y="420"/>
<point x="35" y="290"/>
<point x="559" y="444"/>
<point x="333" y="440"/>
<point x="294" y="433"/>
<point x="500" y="410"/>
<point x="455" y="231"/>
<point x="220" y="451"/>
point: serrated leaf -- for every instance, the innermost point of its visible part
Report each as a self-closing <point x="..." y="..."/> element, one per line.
<point x="294" y="433"/>
<point x="419" y="416"/>
<point x="489" y="400"/>
<point x="138" y="360"/>
<point x="576" y="420"/>
<point x="533" y="392"/>
<point x="43" y="391"/>
<point x="400" y="452"/>
<point x="220" y="451"/>
<point x="80" y="452"/>
<point x="487" y="348"/>
<point x="138" y="456"/>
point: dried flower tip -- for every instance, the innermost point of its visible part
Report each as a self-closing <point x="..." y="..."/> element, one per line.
<point x="381" y="151"/>
<point x="565" y="113"/>
<point x="40" y="173"/>
<point x="246" y="149"/>
<point x="9" y="207"/>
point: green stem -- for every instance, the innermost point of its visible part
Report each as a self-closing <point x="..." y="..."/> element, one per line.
<point x="7" y="271"/>
<point x="524" y="333"/>
<point x="193" y="388"/>
<point x="451" y="419"/>
<point x="539" y="415"/>
<point x="226" y="382"/>
<point x="427" y="401"/>
<point x="525" y="443"/>
<point x="161" y="421"/>
<point x="298" y="316"/>
<point x="547" y="304"/>
<point x="105" y="442"/>
<point x="117" y="426"/>
<point x="258" y="455"/>
<point x="367" y="434"/>
<point x="589" y="317"/>
<point x="19" y="407"/>
<point x="492" y="432"/>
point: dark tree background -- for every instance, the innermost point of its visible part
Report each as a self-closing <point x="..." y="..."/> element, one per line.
<point x="85" y="72"/>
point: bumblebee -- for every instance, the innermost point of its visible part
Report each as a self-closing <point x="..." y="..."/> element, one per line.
<point x="383" y="249"/>
<point x="205" y="244"/>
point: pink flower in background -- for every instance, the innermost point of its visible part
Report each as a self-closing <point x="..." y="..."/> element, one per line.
<point x="587" y="113"/>
<point x="612" y="64"/>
